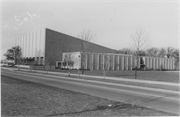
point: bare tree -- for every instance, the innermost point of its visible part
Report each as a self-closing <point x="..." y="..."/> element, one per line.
<point x="152" y="51"/>
<point x="127" y="51"/>
<point x="175" y="54"/>
<point x="169" y="51"/>
<point x="162" y="52"/>
<point x="69" y="61"/>
<point x="48" y="63"/>
<point x="38" y="54"/>
<point x="107" y="64"/>
<point x="86" y="36"/>
<point x="140" y="42"/>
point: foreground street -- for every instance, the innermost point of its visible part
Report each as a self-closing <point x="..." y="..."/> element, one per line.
<point x="163" y="100"/>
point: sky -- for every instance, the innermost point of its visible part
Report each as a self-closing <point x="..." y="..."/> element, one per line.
<point x="112" y="21"/>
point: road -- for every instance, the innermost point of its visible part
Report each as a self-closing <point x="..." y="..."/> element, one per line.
<point x="158" y="99"/>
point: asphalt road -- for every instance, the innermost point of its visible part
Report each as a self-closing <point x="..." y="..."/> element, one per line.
<point x="158" y="99"/>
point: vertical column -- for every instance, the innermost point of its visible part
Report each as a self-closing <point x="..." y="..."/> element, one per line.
<point x="32" y="49"/>
<point x="112" y="62"/>
<point x="26" y="50"/>
<point x="27" y="46"/>
<point x="158" y="60"/>
<point x="97" y="62"/>
<point x="149" y="58"/>
<point x="85" y="62"/>
<point x="88" y="61"/>
<point x="127" y="66"/>
<point x="115" y="62"/>
<point x="173" y="62"/>
<point x="30" y="45"/>
<point x="138" y="62"/>
<point x="125" y="63"/>
<point x="91" y="61"/>
<point x="122" y="62"/>
<point x="40" y="41"/>
<point x="148" y="63"/>
<point x="161" y="65"/>
<point x="94" y="61"/>
<point x="109" y="60"/>
<point x="102" y="61"/>
<point x="170" y="60"/>
<point x="34" y="45"/>
<point x="156" y="63"/>
<point x="165" y="65"/>
<point x="134" y="62"/>
<point x="114" y="59"/>
<point x="118" y="62"/>
<point x="153" y="63"/>
<point x="23" y="47"/>
<point x="130" y="67"/>
<point x="168" y="63"/>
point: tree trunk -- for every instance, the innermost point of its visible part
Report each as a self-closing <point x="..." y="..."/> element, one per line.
<point x="78" y="73"/>
<point x="136" y="67"/>
<point x="69" y="70"/>
<point x="135" y="73"/>
<point x="82" y="69"/>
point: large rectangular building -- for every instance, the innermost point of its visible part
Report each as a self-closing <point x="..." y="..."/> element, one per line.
<point x="48" y="45"/>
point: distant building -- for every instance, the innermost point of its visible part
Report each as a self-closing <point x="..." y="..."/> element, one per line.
<point x="48" y="46"/>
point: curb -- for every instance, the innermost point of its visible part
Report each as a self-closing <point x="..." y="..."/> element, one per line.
<point x="109" y="78"/>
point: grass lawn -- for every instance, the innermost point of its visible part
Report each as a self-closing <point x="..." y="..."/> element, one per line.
<point x="164" y="76"/>
<point x="23" y="98"/>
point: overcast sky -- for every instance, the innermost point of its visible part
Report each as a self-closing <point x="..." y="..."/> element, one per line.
<point x="112" y="22"/>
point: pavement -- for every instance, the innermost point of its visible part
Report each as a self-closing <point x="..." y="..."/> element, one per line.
<point x="158" y="99"/>
<point x="101" y="77"/>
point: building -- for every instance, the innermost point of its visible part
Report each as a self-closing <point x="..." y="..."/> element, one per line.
<point x="47" y="47"/>
<point x="99" y="61"/>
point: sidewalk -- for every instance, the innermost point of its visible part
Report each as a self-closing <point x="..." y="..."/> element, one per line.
<point x="106" y="78"/>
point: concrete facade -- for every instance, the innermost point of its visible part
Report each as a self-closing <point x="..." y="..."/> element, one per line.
<point x="127" y="62"/>
<point x="48" y="46"/>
